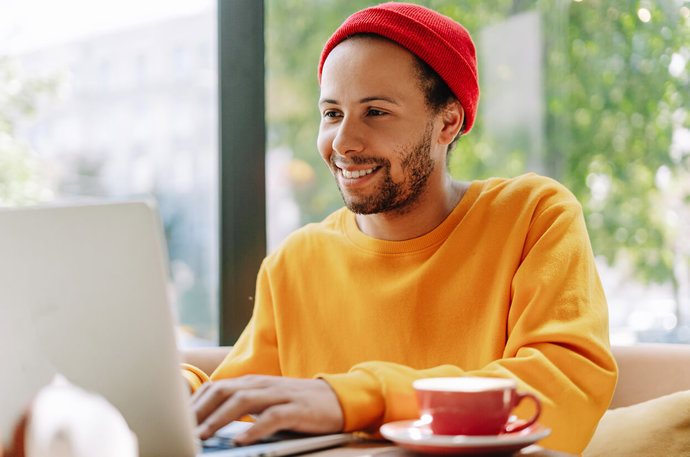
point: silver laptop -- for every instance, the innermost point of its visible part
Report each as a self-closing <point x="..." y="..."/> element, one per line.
<point x="83" y="292"/>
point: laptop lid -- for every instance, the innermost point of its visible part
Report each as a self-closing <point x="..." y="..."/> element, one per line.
<point x="83" y="292"/>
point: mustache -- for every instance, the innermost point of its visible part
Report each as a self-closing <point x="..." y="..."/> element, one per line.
<point x="357" y="160"/>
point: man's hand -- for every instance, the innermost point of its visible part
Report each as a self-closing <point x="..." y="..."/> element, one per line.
<point x="300" y="405"/>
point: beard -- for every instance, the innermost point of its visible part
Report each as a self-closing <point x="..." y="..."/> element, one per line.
<point x="390" y="196"/>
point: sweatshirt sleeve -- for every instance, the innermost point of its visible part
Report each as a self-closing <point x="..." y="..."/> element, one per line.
<point x="556" y="341"/>
<point x="194" y="376"/>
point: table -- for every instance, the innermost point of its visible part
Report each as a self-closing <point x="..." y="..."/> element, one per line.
<point x="380" y="449"/>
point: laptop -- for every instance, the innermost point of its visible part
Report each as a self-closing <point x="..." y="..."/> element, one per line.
<point x="83" y="293"/>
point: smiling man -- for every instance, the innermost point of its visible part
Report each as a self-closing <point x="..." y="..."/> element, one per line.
<point x="418" y="275"/>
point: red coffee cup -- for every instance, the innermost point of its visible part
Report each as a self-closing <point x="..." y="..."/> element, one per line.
<point x="471" y="405"/>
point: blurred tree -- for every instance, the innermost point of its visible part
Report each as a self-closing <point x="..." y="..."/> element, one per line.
<point x="613" y="106"/>
<point x="21" y="178"/>
<point x="616" y="90"/>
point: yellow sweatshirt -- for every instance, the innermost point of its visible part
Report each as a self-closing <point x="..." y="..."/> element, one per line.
<point x="505" y="286"/>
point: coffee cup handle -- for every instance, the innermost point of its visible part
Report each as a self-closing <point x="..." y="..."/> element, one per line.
<point x="518" y="425"/>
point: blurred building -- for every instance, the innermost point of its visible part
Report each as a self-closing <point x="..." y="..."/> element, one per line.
<point x="137" y="116"/>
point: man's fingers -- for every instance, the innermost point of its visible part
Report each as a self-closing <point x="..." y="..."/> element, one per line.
<point x="212" y="395"/>
<point x="272" y="420"/>
<point x="302" y="405"/>
<point x="290" y="415"/>
<point x="223" y="406"/>
<point x="194" y="399"/>
<point x="200" y="398"/>
<point x="208" y="400"/>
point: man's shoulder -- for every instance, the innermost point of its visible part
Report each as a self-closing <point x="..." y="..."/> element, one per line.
<point x="315" y="234"/>
<point x="331" y="225"/>
<point x="527" y="188"/>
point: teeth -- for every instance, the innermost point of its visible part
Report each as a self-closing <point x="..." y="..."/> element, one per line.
<point x="357" y="173"/>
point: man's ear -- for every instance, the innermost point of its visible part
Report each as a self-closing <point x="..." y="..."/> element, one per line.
<point x="452" y="116"/>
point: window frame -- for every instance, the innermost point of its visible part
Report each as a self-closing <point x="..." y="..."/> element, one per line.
<point x="242" y="157"/>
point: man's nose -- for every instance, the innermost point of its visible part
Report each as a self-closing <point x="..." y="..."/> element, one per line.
<point x="348" y="137"/>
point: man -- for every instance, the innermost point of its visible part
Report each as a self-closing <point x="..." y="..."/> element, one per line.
<point x="419" y="275"/>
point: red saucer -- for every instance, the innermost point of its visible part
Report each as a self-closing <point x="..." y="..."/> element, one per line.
<point x="417" y="436"/>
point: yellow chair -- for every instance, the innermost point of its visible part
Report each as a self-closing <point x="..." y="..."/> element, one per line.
<point x="650" y="370"/>
<point x="649" y="415"/>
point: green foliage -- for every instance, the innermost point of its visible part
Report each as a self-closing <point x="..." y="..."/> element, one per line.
<point x="616" y="98"/>
<point x="21" y="181"/>
<point x="611" y="109"/>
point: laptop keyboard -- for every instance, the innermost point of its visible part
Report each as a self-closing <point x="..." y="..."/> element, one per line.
<point x="223" y="440"/>
<point x="281" y="443"/>
<point x="217" y="443"/>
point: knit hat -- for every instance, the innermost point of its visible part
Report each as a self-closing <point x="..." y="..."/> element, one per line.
<point x="436" y="39"/>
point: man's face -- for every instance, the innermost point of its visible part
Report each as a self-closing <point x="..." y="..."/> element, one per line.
<point x="377" y="134"/>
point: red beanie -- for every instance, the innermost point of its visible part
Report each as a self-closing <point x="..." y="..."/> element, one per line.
<point x="436" y="39"/>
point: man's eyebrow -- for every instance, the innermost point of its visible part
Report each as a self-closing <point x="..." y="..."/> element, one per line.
<point x="378" y="98"/>
<point x="328" y="101"/>
<point x="374" y="98"/>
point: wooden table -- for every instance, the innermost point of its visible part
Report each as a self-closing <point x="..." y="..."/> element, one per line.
<point x="375" y="449"/>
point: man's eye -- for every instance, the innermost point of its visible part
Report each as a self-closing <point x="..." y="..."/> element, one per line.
<point x="331" y="114"/>
<point x="375" y="112"/>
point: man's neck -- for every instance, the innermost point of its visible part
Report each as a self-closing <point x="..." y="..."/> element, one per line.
<point x="426" y="214"/>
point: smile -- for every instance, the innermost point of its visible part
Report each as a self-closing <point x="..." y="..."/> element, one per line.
<point x="357" y="173"/>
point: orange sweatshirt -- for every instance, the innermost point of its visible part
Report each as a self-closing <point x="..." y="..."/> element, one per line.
<point x="505" y="286"/>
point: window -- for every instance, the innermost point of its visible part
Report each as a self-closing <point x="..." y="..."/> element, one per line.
<point x="108" y="103"/>
<point x="594" y="94"/>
